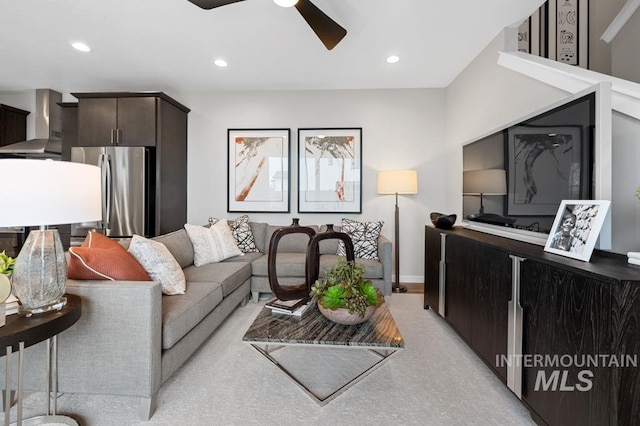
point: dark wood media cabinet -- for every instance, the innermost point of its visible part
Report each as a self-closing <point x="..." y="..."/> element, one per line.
<point x="562" y="334"/>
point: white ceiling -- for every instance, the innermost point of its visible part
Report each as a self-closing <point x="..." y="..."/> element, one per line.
<point x="170" y="45"/>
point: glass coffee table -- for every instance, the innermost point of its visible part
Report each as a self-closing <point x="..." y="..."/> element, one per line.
<point x="270" y="332"/>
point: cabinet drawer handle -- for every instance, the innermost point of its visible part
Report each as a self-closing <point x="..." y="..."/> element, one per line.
<point x="112" y="136"/>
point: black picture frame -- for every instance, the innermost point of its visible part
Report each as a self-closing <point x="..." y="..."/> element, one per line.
<point x="533" y="154"/>
<point x="330" y="170"/>
<point x="258" y="170"/>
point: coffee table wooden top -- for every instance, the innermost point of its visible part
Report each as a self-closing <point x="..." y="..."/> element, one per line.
<point x="313" y="328"/>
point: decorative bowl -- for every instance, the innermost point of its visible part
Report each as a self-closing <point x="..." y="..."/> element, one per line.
<point x="342" y="315"/>
<point x="442" y="221"/>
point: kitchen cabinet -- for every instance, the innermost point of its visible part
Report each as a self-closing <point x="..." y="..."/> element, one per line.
<point x="126" y="121"/>
<point x="13" y="125"/>
<point x="69" y="128"/>
<point x="148" y="119"/>
<point x="572" y="313"/>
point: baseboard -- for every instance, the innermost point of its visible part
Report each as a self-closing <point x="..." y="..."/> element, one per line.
<point x="409" y="278"/>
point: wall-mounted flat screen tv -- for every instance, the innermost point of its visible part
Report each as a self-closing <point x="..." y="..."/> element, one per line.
<point x="516" y="177"/>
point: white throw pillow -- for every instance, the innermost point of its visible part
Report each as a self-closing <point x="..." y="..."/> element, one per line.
<point x="159" y="263"/>
<point x="241" y="230"/>
<point x="213" y="244"/>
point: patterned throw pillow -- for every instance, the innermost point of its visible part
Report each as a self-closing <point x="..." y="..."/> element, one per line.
<point x="101" y="258"/>
<point x="213" y="244"/>
<point x="159" y="263"/>
<point x="364" y="236"/>
<point x="242" y="233"/>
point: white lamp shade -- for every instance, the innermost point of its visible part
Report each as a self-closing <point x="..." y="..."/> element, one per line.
<point x="485" y="181"/>
<point x="398" y="181"/>
<point x="49" y="192"/>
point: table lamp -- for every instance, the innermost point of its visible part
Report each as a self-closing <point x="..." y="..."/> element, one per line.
<point x="397" y="182"/>
<point x="485" y="182"/>
<point x="46" y="192"/>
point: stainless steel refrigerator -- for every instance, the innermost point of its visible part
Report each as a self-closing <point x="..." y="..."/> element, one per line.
<point x="128" y="191"/>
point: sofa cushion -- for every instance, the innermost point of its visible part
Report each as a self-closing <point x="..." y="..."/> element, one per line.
<point x="364" y="236"/>
<point x="247" y="258"/>
<point x="213" y="244"/>
<point x="181" y="314"/>
<point x="101" y="258"/>
<point x="372" y="268"/>
<point x="290" y="243"/>
<point x="179" y="245"/>
<point x="159" y="263"/>
<point x="229" y="274"/>
<point x="287" y="265"/>
<point x="329" y="246"/>
<point x="259" y="230"/>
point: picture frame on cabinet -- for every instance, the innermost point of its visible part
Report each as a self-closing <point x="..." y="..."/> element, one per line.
<point x="576" y="228"/>
<point x="330" y="170"/>
<point x="258" y="170"/>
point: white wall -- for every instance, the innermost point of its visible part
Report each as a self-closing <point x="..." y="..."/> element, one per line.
<point x="402" y="129"/>
<point x="624" y="50"/>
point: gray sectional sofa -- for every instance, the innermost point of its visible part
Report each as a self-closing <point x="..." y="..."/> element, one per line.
<point x="131" y="338"/>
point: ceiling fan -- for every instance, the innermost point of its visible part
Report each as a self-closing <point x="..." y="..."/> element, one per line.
<point x="327" y="30"/>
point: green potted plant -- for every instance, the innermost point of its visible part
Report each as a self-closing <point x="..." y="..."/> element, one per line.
<point x="6" y="269"/>
<point x="6" y="263"/>
<point x="344" y="295"/>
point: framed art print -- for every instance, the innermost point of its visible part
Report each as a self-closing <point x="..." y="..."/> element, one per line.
<point x="545" y="165"/>
<point x="258" y="170"/>
<point x="576" y="227"/>
<point x="330" y="170"/>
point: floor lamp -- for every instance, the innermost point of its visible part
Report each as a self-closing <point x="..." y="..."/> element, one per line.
<point x="46" y="192"/>
<point x="397" y="182"/>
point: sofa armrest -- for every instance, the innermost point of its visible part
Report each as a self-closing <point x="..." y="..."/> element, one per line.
<point x="385" y="248"/>
<point x="115" y="347"/>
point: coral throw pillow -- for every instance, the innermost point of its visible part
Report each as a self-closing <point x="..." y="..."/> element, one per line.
<point x="101" y="258"/>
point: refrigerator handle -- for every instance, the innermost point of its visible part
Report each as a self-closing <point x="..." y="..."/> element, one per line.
<point x="109" y="187"/>
<point x="103" y="184"/>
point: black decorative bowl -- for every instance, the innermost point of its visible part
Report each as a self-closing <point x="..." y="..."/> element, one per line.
<point x="442" y="221"/>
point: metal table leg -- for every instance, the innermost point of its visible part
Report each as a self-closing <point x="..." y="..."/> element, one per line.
<point x="51" y="415"/>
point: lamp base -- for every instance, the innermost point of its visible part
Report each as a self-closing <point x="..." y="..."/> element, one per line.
<point x="39" y="276"/>
<point x="56" y="305"/>
<point x="399" y="289"/>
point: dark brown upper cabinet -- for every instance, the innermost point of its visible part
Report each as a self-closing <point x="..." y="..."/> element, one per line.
<point x="116" y="118"/>
<point x="13" y="125"/>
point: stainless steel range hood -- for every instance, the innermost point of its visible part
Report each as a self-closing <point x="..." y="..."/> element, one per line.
<point x="48" y="140"/>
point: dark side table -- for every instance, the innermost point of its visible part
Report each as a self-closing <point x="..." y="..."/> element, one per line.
<point x="20" y="332"/>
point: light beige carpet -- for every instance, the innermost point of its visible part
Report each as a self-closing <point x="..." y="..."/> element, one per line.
<point x="435" y="380"/>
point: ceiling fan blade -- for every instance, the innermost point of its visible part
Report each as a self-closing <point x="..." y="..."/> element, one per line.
<point x="328" y="30"/>
<point x="210" y="4"/>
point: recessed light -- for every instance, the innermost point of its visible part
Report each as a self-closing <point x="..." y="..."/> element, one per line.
<point x="285" y="3"/>
<point x="221" y="63"/>
<point x="392" y="59"/>
<point x="78" y="45"/>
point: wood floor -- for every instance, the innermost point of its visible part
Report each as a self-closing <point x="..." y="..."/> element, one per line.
<point x="414" y="287"/>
